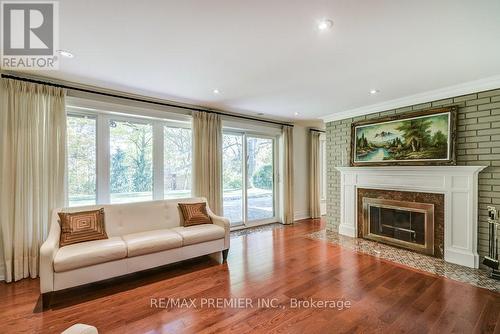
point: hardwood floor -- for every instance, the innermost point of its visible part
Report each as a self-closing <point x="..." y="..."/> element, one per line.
<point x="281" y="264"/>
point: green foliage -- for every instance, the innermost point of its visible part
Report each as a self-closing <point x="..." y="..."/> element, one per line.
<point x="131" y="157"/>
<point x="263" y="177"/>
<point x="439" y="139"/>
<point x="81" y="155"/>
<point x="396" y="142"/>
<point x="362" y="142"/>
<point x="118" y="172"/>
<point x="416" y="133"/>
<point x="177" y="150"/>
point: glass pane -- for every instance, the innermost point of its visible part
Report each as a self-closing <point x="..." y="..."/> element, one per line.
<point x="232" y="178"/>
<point x="81" y="160"/>
<point x="260" y="182"/>
<point x="131" y="166"/>
<point x="177" y="162"/>
<point x="403" y="225"/>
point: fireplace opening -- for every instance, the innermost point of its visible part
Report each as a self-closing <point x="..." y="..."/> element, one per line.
<point x="405" y="224"/>
<point x="406" y="219"/>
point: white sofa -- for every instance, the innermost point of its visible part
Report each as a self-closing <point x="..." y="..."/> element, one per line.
<point x="141" y="236"/>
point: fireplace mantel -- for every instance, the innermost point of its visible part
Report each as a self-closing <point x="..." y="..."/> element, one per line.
<point x="459" y="185"/>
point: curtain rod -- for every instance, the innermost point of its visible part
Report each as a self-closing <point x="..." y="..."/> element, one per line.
<point x="137" y="99"/>
<point x="316" y="130"/>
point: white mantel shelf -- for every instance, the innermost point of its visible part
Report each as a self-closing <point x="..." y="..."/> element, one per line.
<point x="459" y="185"/>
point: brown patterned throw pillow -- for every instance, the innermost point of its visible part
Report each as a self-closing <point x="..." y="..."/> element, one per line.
<point x="195" y="214"/>
<point x="81" y="226"/>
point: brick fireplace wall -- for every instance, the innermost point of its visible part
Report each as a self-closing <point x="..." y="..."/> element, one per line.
<point x="478" y="143"/>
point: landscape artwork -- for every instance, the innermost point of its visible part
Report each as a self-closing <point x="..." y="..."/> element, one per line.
<point x="425" y="138"/>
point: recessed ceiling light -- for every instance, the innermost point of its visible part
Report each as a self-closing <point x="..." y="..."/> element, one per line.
<point x="374" y="91"/>
<point x="65" y="54"/>
<point x="216" y="91"/>
<point x="296" y="113"/>
<point x="325" y="24"/>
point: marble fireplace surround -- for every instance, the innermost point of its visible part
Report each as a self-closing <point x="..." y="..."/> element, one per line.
<point x="458" y="184"/>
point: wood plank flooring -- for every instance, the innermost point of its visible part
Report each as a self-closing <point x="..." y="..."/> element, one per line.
<point x="279" y="264"/>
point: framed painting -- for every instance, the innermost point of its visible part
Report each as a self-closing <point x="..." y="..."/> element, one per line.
<point x="420" y="138"/>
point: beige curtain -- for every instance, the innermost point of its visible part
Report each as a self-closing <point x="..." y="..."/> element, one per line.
<point x="32" y="170"/>
<point x="287" y="175"/>
<point x="207" y="159"/>
<point x="314" y="175"/>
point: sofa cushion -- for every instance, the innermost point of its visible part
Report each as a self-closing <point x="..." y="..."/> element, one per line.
<point x="199" y="233"/>
<point x="151" y="242"/>
<point x="88" y="253"/>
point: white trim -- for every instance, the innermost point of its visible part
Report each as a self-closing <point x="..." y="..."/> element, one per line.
<point x="459" y="184"/>
<point x="429" y="96"/>
<point x="299" y="215"/>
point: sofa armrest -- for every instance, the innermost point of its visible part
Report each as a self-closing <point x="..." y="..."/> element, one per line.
<point x="223" y="222"/>
<point x="48" y="251"/>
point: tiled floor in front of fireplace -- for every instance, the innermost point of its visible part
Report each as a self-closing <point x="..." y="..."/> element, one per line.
<point x="476" y="277"/>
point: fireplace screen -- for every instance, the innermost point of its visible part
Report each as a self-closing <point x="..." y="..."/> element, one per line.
<point x="405" y="224"/>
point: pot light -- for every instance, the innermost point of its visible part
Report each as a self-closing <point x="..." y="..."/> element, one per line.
<point x="216" y="91"/>
<point x="296" y="113"/>
<point x="374" y="91"/>
<point x="325" y="24"/>
<point x="65" y="54"/>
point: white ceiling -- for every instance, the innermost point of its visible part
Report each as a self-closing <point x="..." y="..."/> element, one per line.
<point x="268" y="56"/>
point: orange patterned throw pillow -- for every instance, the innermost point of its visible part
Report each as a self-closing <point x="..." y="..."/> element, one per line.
<point x="81" y="226"/>
<point x="194" y="214"/>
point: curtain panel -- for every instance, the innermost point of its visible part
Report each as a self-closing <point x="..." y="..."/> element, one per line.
<point x="207" y="159"/>
<point x="32" y="170"/>
<point x="287" y="205"/>
<point x="314" y="175"/>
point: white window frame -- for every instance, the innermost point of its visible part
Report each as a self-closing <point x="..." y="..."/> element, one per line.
<point x="103" y="113"/>
<point x="257" y="134"/>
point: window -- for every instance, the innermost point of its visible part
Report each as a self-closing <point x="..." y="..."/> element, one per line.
<point x="81" y="160"/>
<point x="177" y="162"/>
<point x="131" y="167"/>
<point x="115" y="158"/>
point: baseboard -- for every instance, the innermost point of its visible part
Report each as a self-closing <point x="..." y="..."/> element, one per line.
<point x="299" y="215"/>
<point x="347" y="230"/>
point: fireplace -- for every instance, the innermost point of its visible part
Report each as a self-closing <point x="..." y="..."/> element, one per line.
<point x="400" y="223"/>
<point x="411" y="220"/>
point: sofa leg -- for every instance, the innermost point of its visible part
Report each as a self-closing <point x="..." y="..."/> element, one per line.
<point x="46" y="299"/>
<point x="225" y="252"/>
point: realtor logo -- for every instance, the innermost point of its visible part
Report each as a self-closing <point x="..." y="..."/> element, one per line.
<point x="29" y="35"/>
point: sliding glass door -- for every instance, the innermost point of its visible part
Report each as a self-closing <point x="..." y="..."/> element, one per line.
<point x="260" y="178"/>
<point x="249" y="184"/>
<point x="232" y="177"/>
